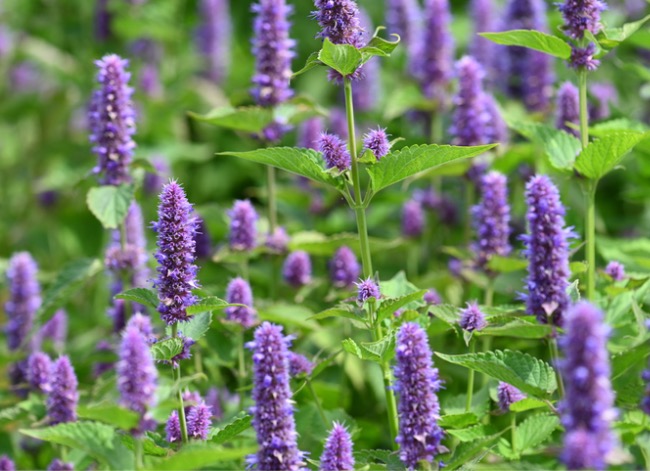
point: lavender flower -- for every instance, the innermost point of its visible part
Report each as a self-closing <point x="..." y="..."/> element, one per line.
<point x="299" y="365"/>
<point x="615" y="270"/>
<point x="367" y="289"/>
<point x="149" y="81"/>
<point x="277" y="241"/>
<point x="580" y="16"/>
<point x="340" y="22"/>
<point x="239" y="292"/>
<point x="547" y="251"/>
<point x="273" y="412"/>
<point x="604" y="95"/>
<point x="583" y="58"/>
<point x="39" y="372"/>
<point x="507" y="395"/>
<point x="56" y="329"/>
<point x="403" y="17"/>
<point x="173" y="428"/>
<point x="472" y="318"/>
<point x="335" y="152"/>
<point x="483" y="14"/>
<point x="339" y="123"/>
<point x="470" y="119"/>
<point x="309" y="133"/>
<point x="24" y="298"/>
<point x="344" y="268"/>
<point x="416" y="382"/>
<point x="136" y="372"/>
<point x="112" y="119"/>
<point x="63" y="397"/>
<point x="297" y="269"/>
<point x="143" y="324"/>
<point x="588" y="406"/>
<point x="431" y="297"/>
<point x="176" y="269"/>
<point x="198" y="421"/>
<point x="213" y="38"/>
<point x="496" y="129"/>
<point x="202" y="242"/>
<point x="153" y="182"/>
<point x="491" y="219"/>
<point x="6" y="464"/>
<point x="337" y="453"/>
<point x="58" y="465"/>
<point x="243" y="230"/>
<point x="376" y="141"/>
<point x="412" y="219"/>
<point x="568" y="108"/>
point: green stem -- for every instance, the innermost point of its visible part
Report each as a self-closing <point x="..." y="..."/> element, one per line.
<point x="177" y="378"/>
<point x="469" y="201"/>
<point x="272" y="200"/>
<point x="241" y="368"/>
<point x="489" y="292"/>
<point x="470" y="379"/>
<point x="318" y="404"/>
<point x="513" y="432"/>
<point x="138" y="454"/>
<point x="584" y="109"/>
<point x="590" y="237"/>
<point x="552" y="344"/>
<point x="413" y="259"/>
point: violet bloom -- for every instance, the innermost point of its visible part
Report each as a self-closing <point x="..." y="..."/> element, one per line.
<point x="547" y="251"/>
<point x="6" y="464"/>
<point x="243" y="230"/>
<point x="339" y="21"/>
<point x="185" y="353"/>
<point x="376" y="141"/>
<point x="202" y="242"/>
<point x="297" y="269"/>
<point x="338" y="123"/>
<point x="277" y="241"/>
<point x="309" y="133"/>
<point x="604" y="95"/>
<point x="507" y="395"/>
<point x="335" y="151"/>
<point x="431" y="297"/>
<point x="143" y="324"/>
<point x="153" y="182"/>
<point x="470" y="120"/>
<point x="63" y="397"/>
<point x="136" y="372"/>
<point x="412" y="219"/>
<point x="483" y="15"/>
<point x="491" y="219"/>
<point x="56" y="329"/>
<point x="403" y="17"/>
<point x="273" y="411"/>
<point x="39" y="372"/>
<point x="568" y="108"/>
<point x="112" y="120"/>
<point x="416" y="383"/>
<point x="472" y="318"/>
<point x="583" y="58"/>
<point x="149" y="81"/>
<point x="176" y="269"/>
<point x="173" y="428"/>
<point x="299" y="365"/>
<point x="337" y="453"/>
<point x="367" y="289"/>
<point x="198" y="421"/>
<point x="213" y="38"/>
<point x="239" y="292"/>
<point x="580" y="16"/>
<point x="496" y="129"/>
<point x="59" y="465"/>
<point x="137" y="241"/>
<point x="103" y="21"/>
<point x="24" y="299"/>
<point x="344" y="268"/>
<point x="213" y="400"/>
<point x="615" y="270"/>
<point x="588" y="406"/>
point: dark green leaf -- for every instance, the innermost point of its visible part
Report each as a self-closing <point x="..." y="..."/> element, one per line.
<point x="603" y="154"/>
<point x="165" y="350"/>
<point x="111" y="414"/>
<point x="231" y="430"/>
<point x="251" y="119"/>
<point x="209" y="304"/>
<point x="534" y="431"/>
<point x="389" y="306"/>
<point x="144" y="296"/>
<point x="197" y="326"/>
<point x="110" y="204"/>
<point x="527" y="403"/>
<point x="343" y="58"/>
<point x="458" y="420"/>
<point x="560" y="146"/>
<point x="536" y="40"/>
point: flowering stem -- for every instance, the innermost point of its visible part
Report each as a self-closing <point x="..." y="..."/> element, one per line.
<point x="590" y="236"/>
<point x="272" y="202"/>
<point x="470" y="379"/>
<point x="177" y="378"/>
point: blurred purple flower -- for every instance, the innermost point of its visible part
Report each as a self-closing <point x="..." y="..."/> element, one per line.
<point x="6" y="464"/>
<point x="278" y="241"/>
<point x="173" y="428"/>
<point x="136" y="372"/>
<point x="63" y="397"/>
<point x="568" y="108"/>
<point x="603" y="94"/>
<point x="103" y="20"/>
<point x="198" y="421"/>
<point x="615" y="270"/>
<point x="472" y="318"/>
<point x="214" y="37"/>
<point x="59" y="465"/>
<point x="470" y="120"/>
<point x="337" y="453"/>
<point x="239" y="292"/>
<point x="431" y="297"/>
<point x="24" y="299"/>
<point x="484" y="15"/>
<point x="299" y="365"/>
<point x="496" y="129"/>
<point x="309" y="133"/>
<point x="338" y="123"/>
<point x="412" y="219"/>
<point x="243" y="230"/>
<point x="367" y="289"/>
<point x="404" y="17"/>
<point x="344" y="268"/>
<point x="39" y="372"/>
<point x="202" y="241"/>
<point x="376" y="140"/>
<point x="367" y="90"/>
<point x="297" y="269"/>
<point x="507" y="395"/>
<point x="491" y="219"/>
<point x="335" y="152"/>
<point x="56" y="329"/>
<point x="153" y="182"/>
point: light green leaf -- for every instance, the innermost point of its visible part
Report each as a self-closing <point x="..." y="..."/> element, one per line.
<point x="201" y="456"/>
<point x="144" y="296"/>
<point x="197" y="326"/>
<point x="506" y="264"/>
<point x="534" y="431"/>
<point x="111" y="414"/>
<point x="251" y="119"/>
<point x="409" y="161"/>
<point x="603" y="154"/>
<point x="617" y="125"/>
<point x="231" y="430"/>
<point x="527" y="403"/>
<point x="473" y="433"/>
<point x="336" y="312"/>
<point x="518" y="329"/>
<point x="612" y="37"/>
<point x="469" y="450"/>
<point x="343" y="58"/>
<point x="209" y="304"/>
<point x="110" y="204"/>
<point x="560" y="146"/>
<point x="389" y="306"/>
<point x="536" y="40"/>
<point x="165" y="350"/>
<point x="149" y="446"/>
<point x="446" y="313"/>
<point x="458" y="420"/>
<point x="378" y="47"/>
<point x="374" y="351"/>
<point x="529" y="374"/>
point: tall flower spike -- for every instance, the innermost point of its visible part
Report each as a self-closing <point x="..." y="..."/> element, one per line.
<point x="297" y="269"/>
<point x="344" y="268"/>
<point x="63" y="397"/>
<point x="470" y="121"/>
<point x="483" y="14"/>
<point x="337" y="453"/>
<point x="568" y="108"/>
<point x="580" y="16"/>
<point x="175" y="255"/>
<point x="112" y="119"/>
<point x="243" y="229"/>
<point x="547" y="250"/>
<point x="136" y="372"/>
<point x="472" y="318"/>
<point x="588" y="406"/>
<point x="376" y="140"/>
<point x="507" y="395"/>
<point x="173" y="428"/>
<point x="39" y="372"/>
<point x="213" y="38"/>
<point x="335" y="151"/>
<point x="273" y="411"/>
<point x="497" y="129"/>
<point x="403" y="17"/>
<point x="6" y="464"/>
<point x="412" y="219"/>
<point x="339" y="21"/>
<point x="416" y="382"/>
<point x="239" y="292"/>
<point x="198" y="421"/>
<point x="491" y="219"/>
<point x="24" y="298"/>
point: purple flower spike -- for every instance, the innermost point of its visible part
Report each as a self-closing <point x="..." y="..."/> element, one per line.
<point x="112" y="120"/>
<point x="497" y="129"/>
<point x="335" y="152"/>
<point x="6" y="464"/>
<point x="344" y="268"/>
<point x="297" y="269"/>
<point x="278" y="241"/>
<point x="213" y="399"/>
<point x="580" y="16"/>
<point x="604" y="94"/>
<point x="491" y="219"/>
<point x="24" y="298"/>
<point x="213" y="38"/>
<point x="63" y="397"/>
<point x="273" y="411"/>
<point x="470" y="119"/>
<point x="173" y="428"/>
<point x="412" y="219"/>
<point x="547" y="251"/>
<point x="299" y="365"/>
<point x="136" y="372"/>
<point x="568" y="108"/>
<point x="239" y="292"/>
<point x="56" y="329"/>
<point x="588" y="406"/>
<point x="483" y="14"/>
<point x="616" y="271"/>
<point x="176" y="269"/>
<point x="376" y="140"/>
<point x="243" y="230"/>
<point x="198" y="421"/>
<point x="143" y="324"/>
<point x="202" y="240"/>
<point x="416" y="383"/>
<point x="583" y="58"/>
<point x="472" y="318"/>
<point x="431" y="297"/>
<point x="367" y="289"/>
<point x="337" y="453"/>
<point x="507" y="395"/>
<point x="340" y="22"/>
<point x="58" y="465"/>
<point x="403" y="17"/>
<point x="39" y="372"/>
<point x="309" y="133"/>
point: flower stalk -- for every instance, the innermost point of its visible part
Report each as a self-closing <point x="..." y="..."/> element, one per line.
<point x="177" y="379"/>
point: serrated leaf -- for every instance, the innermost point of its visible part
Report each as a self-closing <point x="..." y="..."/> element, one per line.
<point x="231" y="430"/>
<point x="527" y="403"/>
<point x="468" y="450"/>
<point x="603" y="154"/>
<point x="389" y="306"/>
<point x="530" y="39"/>
<point x="343" y="58"/>
<point x="523" y="371"/>
<point x="200" y="456"/>
<point x="384" y="349"/>
<point x="110" y="203"/>
<point x="473" y="433"/>
<point x="409" y="161"/>
<point x="611" y="37"/>
<point x="251" y="119"/>
<point x="167" y="349"/>
<point x="111" y="414"/>
<point x="209" y="304"/>
<point x="560" y="146"/>
<point x="446" y="313"/>
<point x="149" y="446"/>
<point x="458" y="420"/>
<point x="518" y="329"/>
<point x="197" y="326"/>
<point x="378" y="47"/>
<point x="534" y="431"/>
<point x="144" y="296"/>
<point x="362" y="351"/>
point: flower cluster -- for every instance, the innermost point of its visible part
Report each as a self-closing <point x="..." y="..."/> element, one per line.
<point x="239" y="292"/>
<point x="136" y="372"/>
<point x="335" y="152"/>
<point x="471" y="122"/>
<point x="297" y="269"/>
<point x="243" y="230"/>
<point x="344" y="268"/>
<point x="472" y="318"/>
<point x="582" y="15"/>
<point x="24" y="298"/>
<point x="412" y="219"/>
<point x="337" y="453"/>
<point x="507" y="395"/>
<point x="299" y="365"/>
<point x="63" y="397"/>
<point x="39" y="372"/>
<point x="367" y="289"/>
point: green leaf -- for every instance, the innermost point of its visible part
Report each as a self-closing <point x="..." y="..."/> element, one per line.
<point x="200" y="456"/>
<point x="343" y="58"/>
<point x="144" y="296"/>
<point x="373" y="351"/>
<point x="97" y="440"/>
<point x="316" y="243"/>
<point x="611" y="37"/>
<point x="527" y="403"/>
<point x="231" y="430"/>
<point x="111" y="414"/>
<point x="473" y="433"/>
<point x="165" y="350"/>
<point x="312" y="61"/>
<point x="536" y="40"/>
<point x="149" y="446"/>
<point x="506" y="264"/>
<point x="197" y="326"/>
<point x="378" y="47"/>
<point x="251" y="119"/>
<point x="560" y="146"/>
<point x="446" y="313"/>
<point x="209" y="304"/>
<point x="534" y="431"/>
<point x="409" y="161"/>
<point x="110" y="204"/>
<point x="603" y="154"/>
<point x="468" y="450"/>
<point x="389" y="306"/>
<point x="458" y="420"/>
<point x="518" y="329"/>
<point x="336" y="312"/>
<point x="523" y="371"/>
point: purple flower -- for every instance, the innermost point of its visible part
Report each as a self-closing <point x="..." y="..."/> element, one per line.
<point x="416" y="382"/>
<point x="56" y="329"/>
<point x="568" y="108"/>
<point x="273" y="411"/>
<point x="496" y="129"/>
<point x="583" y="58"/>
<point x="483" y="14"/>
<point x="339" y="21"/>
<point x="604" y="94"/>
<point x="588" y="406"/>
<point x="335" y="152"/>
<point x="309" y="133"/>
<point x="198" y="421"/>
<point x="337" y="453"/>
<point x="24" y="299"/>
<point x="344" y="268"/>
<point x="112" y="120"/>
<point x="39" y="372"/>
<point x="213" y="399"/>
<point x="547" y="251"/>
<point x="472" y="318"/>
<point x="202" y="242"/>
<point x="645" y="376"/>
<point x="185" y="353"/>
<point x="239" y="292"/>
<point x="143" y="324"/>
<point x="153" y="182"/>
<point x="299" y="365"/>
<point x="470" y="119"/>
<point x="136" y="372"/>
<point x="403" y="17"/>
<point x="63" y="397"/>
<point x="175" y="256"/>
<point x="615" y="270"/>
<point x="277" y="241"/>
<point x="431" y="297"/>
<point x="58" y="465"/>
<point x="507" y="394"/>
<point x="297" y="269"/>
<point x="412" y="219"/>
<point x="367" y="289"/>
<point x="243" y="230"/>
<point x="100" y="368"/>
<point x="376" y="140"/>
<point x="580" y="16"/>
<point x="491" y="219"/>
<point x="173" y="428"/>
<point x="6" y="464"/>
<point x="213" y="38"/>
<point x="103" y="21"/>
<point x="149" y="81"/>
